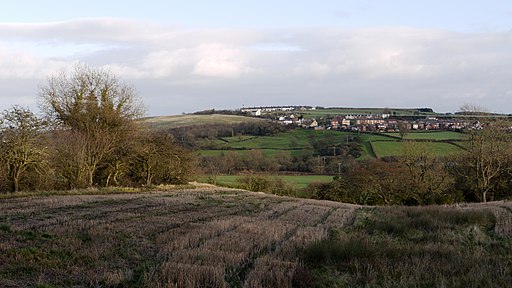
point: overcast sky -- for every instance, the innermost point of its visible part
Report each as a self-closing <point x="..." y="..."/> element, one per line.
<point x="185" y="56"/>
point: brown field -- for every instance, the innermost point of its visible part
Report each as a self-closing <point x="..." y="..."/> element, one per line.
<point x="212" y="237"/>
<point x="192" y="238"/>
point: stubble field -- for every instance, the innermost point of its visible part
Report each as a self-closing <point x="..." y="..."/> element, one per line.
<point x="196" y="238"/>
<point x="212" y="237"/>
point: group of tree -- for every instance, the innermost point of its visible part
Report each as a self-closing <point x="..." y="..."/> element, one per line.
<point x="324" y="155"/>
<point x="481" y="172"/>
<point x="193" y="136"/>
<point x="88" y="137"/>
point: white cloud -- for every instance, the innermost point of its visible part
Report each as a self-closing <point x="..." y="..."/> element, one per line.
<point x="23" y="65"/>
<point x="179" y="69"/>
<point x="218" y="60"/>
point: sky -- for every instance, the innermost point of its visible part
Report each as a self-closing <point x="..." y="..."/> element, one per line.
<point x="186" y="56"/>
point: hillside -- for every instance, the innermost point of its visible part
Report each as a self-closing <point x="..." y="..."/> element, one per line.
<point x="298" y="141"/>
<point x="166" y="122"/>
<point x="231" y="238"/>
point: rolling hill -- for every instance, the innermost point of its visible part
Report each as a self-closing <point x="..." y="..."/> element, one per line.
<point x="166" y="122"/>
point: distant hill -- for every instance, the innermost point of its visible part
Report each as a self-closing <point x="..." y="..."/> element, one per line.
<point x="166" y="122"/>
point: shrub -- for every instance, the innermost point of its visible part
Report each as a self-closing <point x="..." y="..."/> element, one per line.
<point x="275" y="185"/>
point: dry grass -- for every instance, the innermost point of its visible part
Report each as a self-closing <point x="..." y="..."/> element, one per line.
<point x="209" y="237"/>
<point x="190" y="238"/>
<point x="456" y="246"/>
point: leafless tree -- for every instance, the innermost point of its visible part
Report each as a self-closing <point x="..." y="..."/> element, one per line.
<point x="93" y="105"/>
<point x="487" y="156"/>
<point x="22" y="144"/>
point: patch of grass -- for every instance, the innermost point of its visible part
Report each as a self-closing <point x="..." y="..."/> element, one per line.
<point x="432" y="135"/>
<point x="298" y="181"/>
<point x="394" y="148"/>
<point x="5" y="227"/>
<point x="266" y="152"/>
<point x="33" y="235"/>
<point x="95" y="191"/>
<point x="44" y="285"/>
<point x="414" y="247"/>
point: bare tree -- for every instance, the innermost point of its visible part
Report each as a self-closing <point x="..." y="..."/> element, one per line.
<point x="21" y="144"/>
<point x="428" y="175"/>
<point x="88" y="99"/>
<point x="157" y="159"/>
<point x="487" y="155"/>
<point x="473" y="109"/>
<point x="404" y="129"/>
<point x="97" y="108"/>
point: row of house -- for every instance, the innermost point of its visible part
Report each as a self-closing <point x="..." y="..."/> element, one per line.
<point x="258" y="111"/>
<point x="381" y="123"/>
<point x="390" y="124"/>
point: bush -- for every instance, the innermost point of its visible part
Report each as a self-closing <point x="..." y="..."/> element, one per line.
<point x="275" y="185"/>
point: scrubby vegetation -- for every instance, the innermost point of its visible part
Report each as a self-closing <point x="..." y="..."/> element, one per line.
<point x="415" y="247"/>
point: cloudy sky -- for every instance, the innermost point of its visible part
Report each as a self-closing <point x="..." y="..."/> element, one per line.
<point x="185" y="56"/>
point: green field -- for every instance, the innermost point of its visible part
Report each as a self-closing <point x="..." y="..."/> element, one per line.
<point x="266" y="152"/>
<point x="429" y="135"/>
<point x="294" y="142"/>
<point x="298" y="181"/>
<point x="297" y="141"/>
<point x="388" y="148"/>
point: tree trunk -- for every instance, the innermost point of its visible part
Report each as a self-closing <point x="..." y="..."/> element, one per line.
<point x="15" y="184"/>
<point x="90" y="177"/>
<point x="15" y="180"/>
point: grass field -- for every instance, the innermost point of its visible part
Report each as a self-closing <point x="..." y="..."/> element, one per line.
<point x="434" y="136"/>
<point x="297" y="138"/>
<point x="211" y="237"/>
<point x="294" y="142"/>
<point x="373" y="145"/>
<point x="298" y="181"/>
<point x="388" y="148"/>
<point x="167" y="122"/>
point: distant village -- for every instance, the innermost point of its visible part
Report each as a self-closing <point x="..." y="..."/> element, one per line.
<point x="379" y="122"/>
